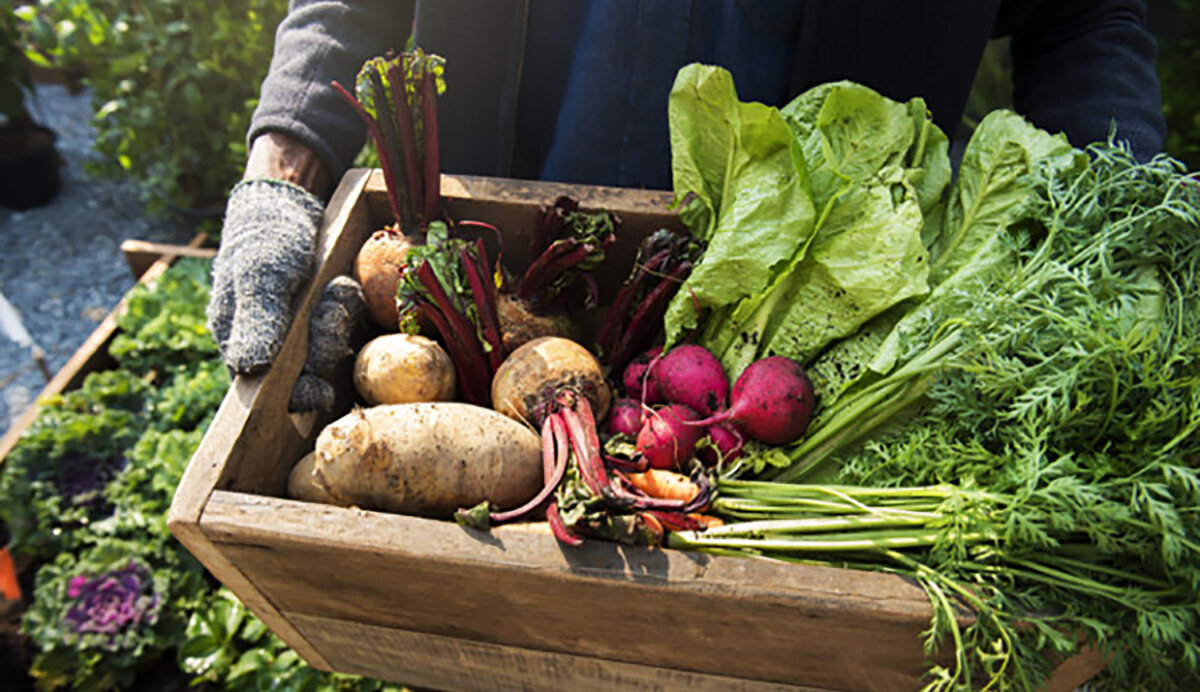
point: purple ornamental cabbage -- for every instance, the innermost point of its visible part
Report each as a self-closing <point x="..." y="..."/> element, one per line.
<point x="81" y="479"/>
<point x="112" y="604"/>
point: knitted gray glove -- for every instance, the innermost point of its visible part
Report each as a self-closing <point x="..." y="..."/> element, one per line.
<point x="332" y="323"/>
<point x="267" y="252"/>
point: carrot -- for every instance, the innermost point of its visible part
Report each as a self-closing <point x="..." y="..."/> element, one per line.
<point x="663" y="484"/>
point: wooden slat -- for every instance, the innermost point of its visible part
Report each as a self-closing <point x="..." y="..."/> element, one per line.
<point x="444" y="663"/>
<point x="258" y="405"/>
<point x="830" y="628"/>
<point x="141" y="254"/>
<point x="92" y="354"/>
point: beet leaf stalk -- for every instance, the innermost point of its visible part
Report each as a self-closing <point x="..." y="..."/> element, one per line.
<point x="567" y="243"/>
<point x="581" y="496"/>
<point x="664" y="260"/>
<point x="396" y="97"/>
<point x="448" y="281"/>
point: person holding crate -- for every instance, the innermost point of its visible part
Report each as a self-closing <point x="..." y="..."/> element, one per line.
<point x="575" y="91"/>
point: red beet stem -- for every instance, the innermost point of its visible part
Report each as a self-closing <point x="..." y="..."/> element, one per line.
<point x="389" y="175"/>
<point x="433" y="170"/>
<point x="408" y="135"/>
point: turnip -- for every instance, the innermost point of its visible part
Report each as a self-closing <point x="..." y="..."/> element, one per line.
<point x="666" y="439"/>
<point x="772" y="401"/>
<point x="403" y="369"/>
<point x="550" y="383"/>
<point x="377" y="268"/>
<point x="527" y="383"/>
<point x="692" y="376"/>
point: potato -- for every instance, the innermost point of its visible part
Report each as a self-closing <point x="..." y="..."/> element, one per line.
<point x="403" y="369"/>
<point x="428" y="459"/>
<point x="302" y="485"/>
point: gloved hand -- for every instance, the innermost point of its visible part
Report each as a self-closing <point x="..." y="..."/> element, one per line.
<point x="332" y="323"/>
<point x="268" y="246"/>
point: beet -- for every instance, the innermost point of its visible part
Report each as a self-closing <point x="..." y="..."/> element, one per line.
<point x="625" y="417"/>
<point x="636" y="383"/>
<point x="666" y="439"/>
<point x="691" y="375"/>
<point x="772" y="401"/>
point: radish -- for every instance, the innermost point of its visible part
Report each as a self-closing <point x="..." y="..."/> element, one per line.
<point x="636" y="381"/>
<point x="692" y="376"/>
<point x="772" y="401"/>
<point x="667" y="438"/>
<point x="625" y="418"/>
<point x="725" y="445"/>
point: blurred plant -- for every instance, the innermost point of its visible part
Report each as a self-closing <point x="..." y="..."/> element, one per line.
<point x="100" y="616"/>
<point x="14" y="71"/>
<point x="1179" y="72"/>
<point x="227" y="646"/>
<point x="174" y="83"/>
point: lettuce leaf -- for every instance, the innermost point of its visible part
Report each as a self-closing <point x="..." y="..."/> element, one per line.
<point x="873" y="170"/>
<point x="743" y="185"/>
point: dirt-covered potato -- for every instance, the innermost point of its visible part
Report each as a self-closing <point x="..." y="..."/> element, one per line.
<point x="302" y="485"/>
<point x="428" y="459"/>
<point x="403" y="369"/>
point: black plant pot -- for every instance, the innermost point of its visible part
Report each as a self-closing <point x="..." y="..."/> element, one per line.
<point x="29" y="165"/>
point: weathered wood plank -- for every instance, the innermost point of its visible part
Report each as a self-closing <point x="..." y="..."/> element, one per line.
<point x="758" y="620"/>
<point x="141" y="254"/>
<point x="257" y="408"/>
<point x="445" y="663"/>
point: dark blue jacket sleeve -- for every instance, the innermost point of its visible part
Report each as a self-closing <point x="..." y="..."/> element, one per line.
<point x="1083" y="66"/>
<point x="317" y="42"/>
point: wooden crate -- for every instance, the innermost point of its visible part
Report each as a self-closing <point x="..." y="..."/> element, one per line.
<point x="431" y="604"/>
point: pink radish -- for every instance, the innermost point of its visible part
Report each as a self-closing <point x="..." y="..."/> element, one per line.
<point x="691" y="375"/>
<point x="635" y="381"/>
<point x="625" y="418"/>
<point x="772" y="401"/>
<point x="725" y="445"/>
<point x="667" y="439"/>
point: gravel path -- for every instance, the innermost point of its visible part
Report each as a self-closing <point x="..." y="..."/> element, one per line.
<point x="62" y="267"/>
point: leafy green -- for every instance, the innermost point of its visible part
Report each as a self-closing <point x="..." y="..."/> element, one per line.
<point x="867" y="172"/>
<point x="165" y="324"/>
<point x="52" y="483"/>
<point x="97" y="661"/>
<point x="742" y="182"/>
<point x="1041" y="421"/>
<point x="173" y="85"/>
<point x="227" y="646"/>
<point x="975" y="254"/>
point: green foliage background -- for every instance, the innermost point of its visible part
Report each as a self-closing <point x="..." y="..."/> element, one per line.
<point x="174" y="83"/>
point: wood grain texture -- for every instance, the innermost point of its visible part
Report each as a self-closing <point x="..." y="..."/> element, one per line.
<point x="444" y="663"/>
<point x="253" y="417"/>
<point x="757" y="620"/>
